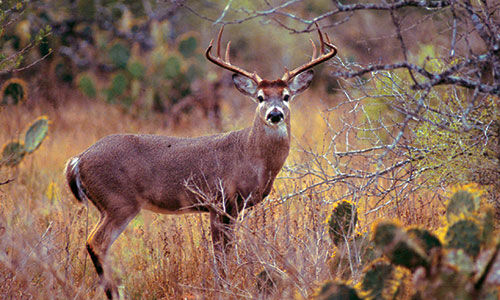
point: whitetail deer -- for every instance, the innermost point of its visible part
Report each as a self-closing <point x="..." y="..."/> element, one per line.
<point x="122" y="174"/>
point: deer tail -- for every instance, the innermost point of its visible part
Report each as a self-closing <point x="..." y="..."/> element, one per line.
<point x="72" y="172"/>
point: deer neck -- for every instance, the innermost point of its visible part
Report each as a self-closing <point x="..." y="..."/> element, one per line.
<point x="270" y="144"/>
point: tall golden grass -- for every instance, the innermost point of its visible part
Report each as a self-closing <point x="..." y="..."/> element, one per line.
<point x="281" y="248"/>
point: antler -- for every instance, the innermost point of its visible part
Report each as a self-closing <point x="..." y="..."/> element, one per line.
<point x="314" y="60"/>
<point x="225" y="63"/>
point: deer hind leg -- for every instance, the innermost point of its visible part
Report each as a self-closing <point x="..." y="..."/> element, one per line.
<point x="104" y="234"/>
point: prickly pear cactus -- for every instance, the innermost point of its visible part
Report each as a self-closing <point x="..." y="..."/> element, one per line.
<point x="172" y="67"/>
<point x="13" y="91"/>
<point x="342" y="222"/>
<point x="35" y="134"/>
<point x="461" y="203"/>
<point x="119" y="55"/>
<point x="399" y="247"/>
<point x="385" y="233"/>
<point x="336" y="291"/>
<point x="12" y="154"/>
<point x="136" y="69"/>
<point x="487" y="223"/>
<point x="119" y="84"/>
<point x="425" y="239"/>
<point x="464" y="264"/>
<point x="464" y="234"/>
<point x="86" y="86"/>
<point x="379" y="281"/>
<point x="187" y="44"/>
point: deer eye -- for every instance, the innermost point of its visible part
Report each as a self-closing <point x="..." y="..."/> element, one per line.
<point x="286" y="97"/>
<point x="260" y="98"/>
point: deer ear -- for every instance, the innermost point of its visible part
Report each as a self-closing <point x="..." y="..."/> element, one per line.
<point x="245" y="85"/>
<point x="301" y="82"/>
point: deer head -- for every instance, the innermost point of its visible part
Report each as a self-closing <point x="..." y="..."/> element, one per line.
<point x="273" y="96"/>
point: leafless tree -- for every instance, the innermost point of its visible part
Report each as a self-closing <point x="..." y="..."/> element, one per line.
<point x="413" y="116"/>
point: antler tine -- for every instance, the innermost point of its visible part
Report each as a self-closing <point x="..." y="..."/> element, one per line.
<point x="314" y="60"/>
<point x="226" y="63"/>
<point x="321" y="42"/>
<point x="219" y="37"/>
<point x="327" y="39"/>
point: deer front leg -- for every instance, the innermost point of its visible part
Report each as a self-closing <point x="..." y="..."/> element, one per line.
<point x="222" y="231"/>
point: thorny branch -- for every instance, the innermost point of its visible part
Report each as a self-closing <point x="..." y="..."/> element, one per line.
<point x="384" y="157"/>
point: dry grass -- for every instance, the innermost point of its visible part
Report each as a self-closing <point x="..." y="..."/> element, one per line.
<point x="282" y="245"/>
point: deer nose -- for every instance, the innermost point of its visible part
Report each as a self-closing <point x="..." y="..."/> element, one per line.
<point x="275" y="116"/>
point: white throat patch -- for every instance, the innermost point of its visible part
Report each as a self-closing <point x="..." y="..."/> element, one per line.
<point x="278" y="130"/>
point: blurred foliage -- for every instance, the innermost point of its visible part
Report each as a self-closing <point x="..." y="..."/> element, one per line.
<point x="462" y="264"/>
<point x="116" y="50"/>
<point x="144" y="55"/>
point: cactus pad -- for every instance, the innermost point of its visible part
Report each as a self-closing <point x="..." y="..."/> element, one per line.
<point x="187" y="45"/>
<point x="336" y="291"/>
<point x="460" y="260"/>
<point x="136" y="69"/>
<point x="398" y="247"/>
<point x="487" y="220"/>
<point x="36" y="133"/>
<point x="12" y="154"/>
<point x="119" y="84"/>
<point x="464" y="234"/>
<point x="13" y="91"/>
<point x="461" y="202"/>
<point x="342" y="222"/>
<point x="172" y="67"/>
<point x="119" y="55"/>
<point x="378" y="281"/>
<point x="87" y="86"/>
<point x="426" y="240"/>
<point x="385" y="233"/>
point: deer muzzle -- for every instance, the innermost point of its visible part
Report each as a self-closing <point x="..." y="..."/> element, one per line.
<point x="275" y="116"/>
